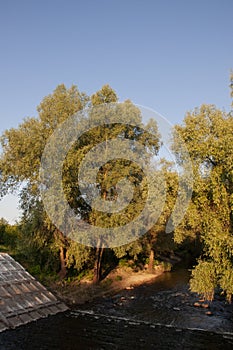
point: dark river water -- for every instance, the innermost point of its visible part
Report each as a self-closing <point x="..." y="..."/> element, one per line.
<point x="158" y="315"/>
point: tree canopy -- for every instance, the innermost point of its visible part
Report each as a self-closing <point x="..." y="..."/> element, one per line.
<point x="20" y="165"/>
<point x="208" y="135"/>
<point x="120" y="177"/>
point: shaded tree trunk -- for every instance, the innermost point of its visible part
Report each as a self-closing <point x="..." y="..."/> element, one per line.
<point x="63" y="271"/>
<point x="98" y="263"/>
<point x="99" y="249"/>
<point x="151" y="261"/>
<point x="62" y="253"/>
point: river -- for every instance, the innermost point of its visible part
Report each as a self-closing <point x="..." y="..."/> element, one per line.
<point x="158" y="315"/>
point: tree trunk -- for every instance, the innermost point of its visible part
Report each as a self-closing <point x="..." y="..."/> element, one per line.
<point x="99" y="249"/>
<point x="98" y="263"/>
<point x="151" y="261"/>
<point x="63" y="271"/>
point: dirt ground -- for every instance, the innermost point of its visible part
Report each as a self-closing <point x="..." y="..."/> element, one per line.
<point x="74" y="293"/>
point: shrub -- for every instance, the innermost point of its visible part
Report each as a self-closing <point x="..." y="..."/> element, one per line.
<point x="203" y="280"/>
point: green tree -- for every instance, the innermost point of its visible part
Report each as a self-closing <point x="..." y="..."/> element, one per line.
<point x="105" y="95"/>
<point x="156" y="241"/>
<point x="111" y="172"/>
<point x="21" y="159"/>
<point x="20" y="162"/>
<point x="208" y="135"/>
<point x="8" y="235"/>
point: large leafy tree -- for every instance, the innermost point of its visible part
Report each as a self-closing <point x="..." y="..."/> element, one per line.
<point x="207" y="132"/>
<point x="20" y="164"/>
<point x="21" y="159"/>
<point x="112" y="171"/>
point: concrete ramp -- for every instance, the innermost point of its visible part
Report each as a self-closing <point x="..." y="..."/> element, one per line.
<point x="22" y="298"/>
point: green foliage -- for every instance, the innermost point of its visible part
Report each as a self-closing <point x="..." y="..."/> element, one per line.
<point x="35" y="270"/>
<point x="8" y="235"/>
<point x="105" y="95"/>
<point x="156" y="262"/>
<point x="23" y="146"/>
<point x="226" y="282"/>
<point x="166" y="265"/>
<point x="207" y="132"/>
<point x="88" y="274"/>
<point x="209" y="138"/>
<point x="203" y="280"/>
<point x="40" y="243"/>
<point x="79" y="256"/>
<point x="123" y="262"/>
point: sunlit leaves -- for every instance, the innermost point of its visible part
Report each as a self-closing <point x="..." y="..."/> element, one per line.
<point x="209" y="138"/>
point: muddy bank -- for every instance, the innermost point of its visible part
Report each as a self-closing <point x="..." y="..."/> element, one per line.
<point x="80" y="292"/>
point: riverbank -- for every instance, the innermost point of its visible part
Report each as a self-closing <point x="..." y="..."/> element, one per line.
<point x="80" y="292"/>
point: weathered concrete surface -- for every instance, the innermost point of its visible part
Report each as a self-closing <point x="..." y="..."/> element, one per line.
<point x="22" y="298"/>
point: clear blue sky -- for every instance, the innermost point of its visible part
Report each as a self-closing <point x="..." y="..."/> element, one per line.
<point x="167" y="55"/>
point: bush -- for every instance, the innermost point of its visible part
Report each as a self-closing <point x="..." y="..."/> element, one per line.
<point x="167" y="266"/>
<point x="203" y="280"/>
<point x="123" y="262"/>
<point x="8" y="235"/>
